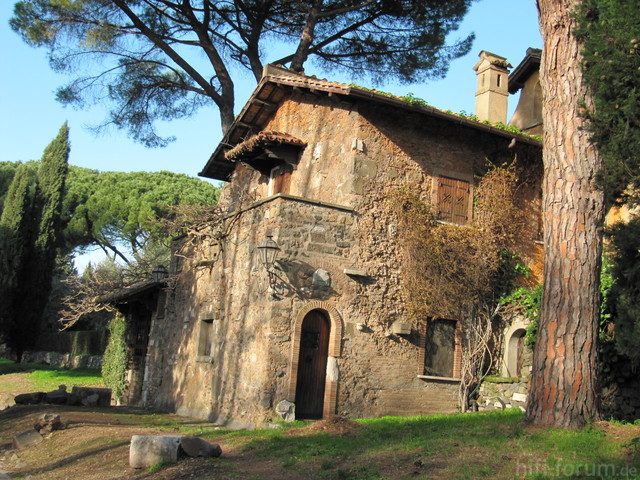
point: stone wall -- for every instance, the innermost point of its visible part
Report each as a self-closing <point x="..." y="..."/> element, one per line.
<point x="502" y="393"/>
<point x="64" y="360"/>
<point x="226" y="348"/>
<point x="76" y="342"/>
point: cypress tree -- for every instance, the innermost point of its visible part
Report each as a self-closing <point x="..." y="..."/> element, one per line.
<point x="610" y="32"/>
<point x="31" y="236"/>
<point x="16" y="235"/>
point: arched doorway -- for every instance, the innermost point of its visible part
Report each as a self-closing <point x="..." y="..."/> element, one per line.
<point x="312" y="365"/>
<point x="516" y="354"/>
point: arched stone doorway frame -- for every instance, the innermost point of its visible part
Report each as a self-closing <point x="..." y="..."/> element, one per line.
<point x="510" y="353"/>
<point x="330" y="403"/>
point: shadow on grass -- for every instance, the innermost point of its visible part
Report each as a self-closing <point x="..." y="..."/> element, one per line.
<point x="125" y="416"/>
<point x="41" y="469"/>
<point x="486" y="445"/>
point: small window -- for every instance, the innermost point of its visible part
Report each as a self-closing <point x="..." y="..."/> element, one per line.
<point x="205" y="340"/>
<point x="442" y="349"/>
<point x="280" y="179"/>
<point x="454" y="200"/>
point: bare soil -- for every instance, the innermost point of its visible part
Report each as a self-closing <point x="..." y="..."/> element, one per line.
<point x="95" y="445"/>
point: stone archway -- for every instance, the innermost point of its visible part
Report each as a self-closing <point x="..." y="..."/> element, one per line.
<point x="334" y="349"/>
<point x="514" y="350"/>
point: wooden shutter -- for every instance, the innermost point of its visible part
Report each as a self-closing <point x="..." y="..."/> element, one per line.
<point x="453" y="200"/>
<point x="282" y="179"/>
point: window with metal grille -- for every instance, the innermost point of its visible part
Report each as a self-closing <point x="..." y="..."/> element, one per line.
<point x="454" y="200"/>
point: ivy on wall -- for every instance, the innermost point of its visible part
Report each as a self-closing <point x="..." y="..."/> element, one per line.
<point x="461" y="272"/>
<point x="451" y="270"/>
<point x="114" y="363"/>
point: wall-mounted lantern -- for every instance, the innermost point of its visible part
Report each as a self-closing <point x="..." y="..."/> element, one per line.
<point x="159" y="273"/>
<point x="268" y="251"/>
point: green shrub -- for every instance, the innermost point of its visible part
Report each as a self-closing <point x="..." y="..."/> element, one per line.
<point x="114" y="363"/>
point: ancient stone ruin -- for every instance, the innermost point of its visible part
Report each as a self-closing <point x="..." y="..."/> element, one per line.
<point x="148" y="450"/>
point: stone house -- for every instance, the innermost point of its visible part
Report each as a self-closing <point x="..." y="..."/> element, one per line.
<point x="312" y="166"/>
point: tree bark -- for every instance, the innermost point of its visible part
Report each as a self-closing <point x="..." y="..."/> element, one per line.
<point x="563" y="383"/>
<point x="306" y="38"/>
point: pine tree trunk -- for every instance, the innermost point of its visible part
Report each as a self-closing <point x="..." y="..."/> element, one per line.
<point x="306" y="37"/>
<point x="563" y="384"/>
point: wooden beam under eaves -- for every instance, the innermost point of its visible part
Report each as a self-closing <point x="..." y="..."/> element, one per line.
<point x="334" y="97"/>
<point x="265" y="103"/>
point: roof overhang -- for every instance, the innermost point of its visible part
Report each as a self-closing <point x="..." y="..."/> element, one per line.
<point x="529" y="65"/>
<point x="266" y="149"/>
<point x="278" y="83"/>
<point x="133" y="292"/>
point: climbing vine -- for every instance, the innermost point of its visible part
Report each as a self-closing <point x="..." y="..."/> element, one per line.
<point x="462" y="271"/>
<point x="450" y="269"/>
<point x="526" y="302"/>
<point x="114" y="362"/>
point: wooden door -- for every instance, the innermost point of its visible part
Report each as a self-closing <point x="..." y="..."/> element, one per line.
<point x="312" y="365"/>
<point x="281" y="176"/>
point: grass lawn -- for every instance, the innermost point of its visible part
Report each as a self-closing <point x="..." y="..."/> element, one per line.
<point x="491" y="445"/>
<point x="466" y="446"/>
<point x="36" y="377"/>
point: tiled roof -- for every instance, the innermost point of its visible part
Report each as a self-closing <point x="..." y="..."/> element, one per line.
<point x="278" y="82"/>
<point x="260" y="141"/>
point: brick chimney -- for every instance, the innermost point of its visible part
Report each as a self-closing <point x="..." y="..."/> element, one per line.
<point x="491" y="96"/>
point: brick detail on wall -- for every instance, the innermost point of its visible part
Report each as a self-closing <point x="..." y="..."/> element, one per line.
<point x="457" y="351"/>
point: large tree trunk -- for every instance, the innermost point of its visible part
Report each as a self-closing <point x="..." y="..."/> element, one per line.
<point x="563" y="384"/>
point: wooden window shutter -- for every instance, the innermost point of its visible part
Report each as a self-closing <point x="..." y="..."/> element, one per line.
<point x="282" y="179"/>
<point x="454" y="198"/>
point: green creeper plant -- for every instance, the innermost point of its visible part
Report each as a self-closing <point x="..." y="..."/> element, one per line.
<point x="114" y="363"/>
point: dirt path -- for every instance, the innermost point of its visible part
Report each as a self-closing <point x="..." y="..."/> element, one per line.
<point x="94" y="445"/>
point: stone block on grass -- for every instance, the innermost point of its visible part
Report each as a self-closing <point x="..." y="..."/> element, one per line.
<point x="26" y="439"/>
<point x="30" y="398"/>
<point x="197" y="447"/>
<point x="47" y="423"/>
<point x="147" y="450"/>
<point x="103" y="400"/>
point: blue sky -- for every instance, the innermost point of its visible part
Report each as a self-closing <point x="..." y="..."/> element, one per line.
<point x="30" y="116"/>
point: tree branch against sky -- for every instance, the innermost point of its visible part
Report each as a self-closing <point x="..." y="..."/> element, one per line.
<point x="162" y="60"/>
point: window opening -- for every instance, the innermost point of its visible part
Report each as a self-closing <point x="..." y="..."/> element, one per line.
<point x="205" y="341"/>
<point x="441" y="348"/>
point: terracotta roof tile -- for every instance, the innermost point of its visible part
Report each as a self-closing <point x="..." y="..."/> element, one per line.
<point x="261" y="140"/>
